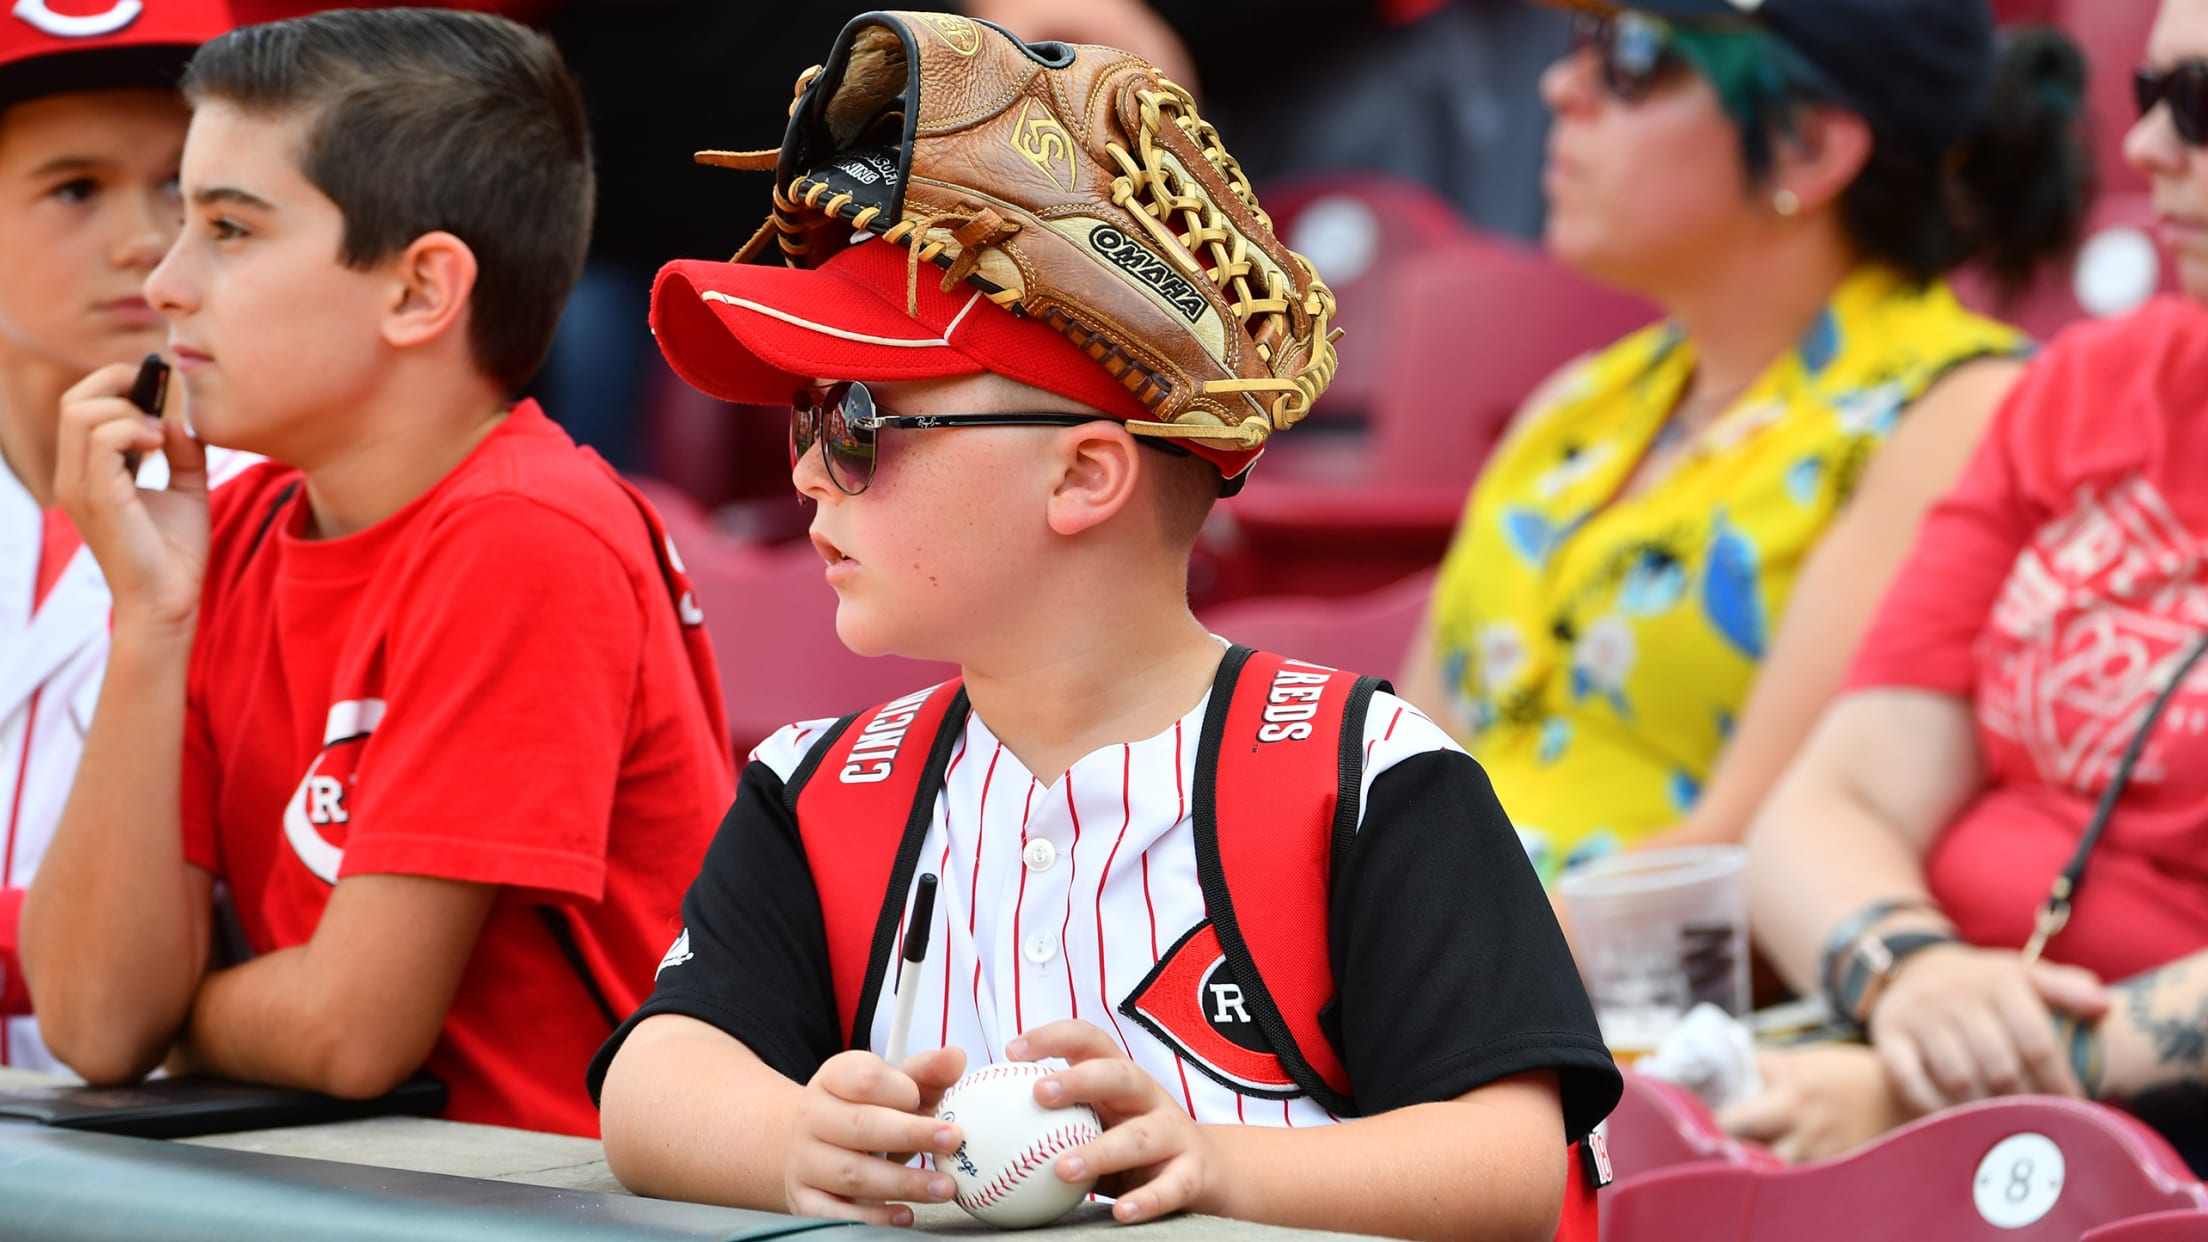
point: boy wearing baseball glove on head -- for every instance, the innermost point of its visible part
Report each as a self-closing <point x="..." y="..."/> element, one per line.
<point x="436" y="689"/>
<point x="1273" y="921"/>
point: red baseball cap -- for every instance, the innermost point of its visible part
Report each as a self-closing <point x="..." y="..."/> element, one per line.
<point x="754" y="334"/>
<point x="50" y="47"/>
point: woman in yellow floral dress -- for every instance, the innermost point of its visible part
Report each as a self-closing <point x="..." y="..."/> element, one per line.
<point x="1608" y="624"/>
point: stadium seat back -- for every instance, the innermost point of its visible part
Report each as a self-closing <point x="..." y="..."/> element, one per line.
<point x="2022" y="1169"/>
<point x="1366" y="634"/>
<point x="773" y="623"/>
<point x="1362" y="231"/>
<point x="1659" y="1125"/>
<point x="1477" y="330"/>
<point x="2189" y="1225"/>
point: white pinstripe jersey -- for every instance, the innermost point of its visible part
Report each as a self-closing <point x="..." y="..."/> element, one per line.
<point x="1056" y="901"/>
<point x="53" y="658"/>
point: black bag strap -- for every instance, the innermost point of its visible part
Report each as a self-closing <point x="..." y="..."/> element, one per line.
<point x="564" y="936"/>
<point x="2055" y="914"/>
<point x="268" y="519"/>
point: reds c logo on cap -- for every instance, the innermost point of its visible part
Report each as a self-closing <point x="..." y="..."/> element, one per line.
<point x="39" y="15"/>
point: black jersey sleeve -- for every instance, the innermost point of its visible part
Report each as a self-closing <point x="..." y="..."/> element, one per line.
<point x="1451" y="970"/>
<point x="753" y="955"/>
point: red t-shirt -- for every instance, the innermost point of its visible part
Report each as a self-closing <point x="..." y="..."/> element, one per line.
<point x="2057" y="586"/>
<point x="504" y="683"/>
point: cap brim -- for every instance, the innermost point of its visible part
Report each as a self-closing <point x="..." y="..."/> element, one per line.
<point x="725" y="329"/>
<point x="753" y="334"/>
<point x="93" y="69"/>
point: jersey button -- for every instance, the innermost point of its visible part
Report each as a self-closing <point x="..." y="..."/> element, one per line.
<point x="1039" y="949"/>
<point x="1040" y="854"/>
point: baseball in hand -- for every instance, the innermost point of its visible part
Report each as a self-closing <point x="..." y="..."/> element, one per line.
<point x="1003" y="1170"/>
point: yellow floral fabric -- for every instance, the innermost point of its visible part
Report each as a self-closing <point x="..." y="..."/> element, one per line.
<point x="1600" y="645"/>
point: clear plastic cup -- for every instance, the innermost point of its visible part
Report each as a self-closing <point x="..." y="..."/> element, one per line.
<point x="1659" y="932"/>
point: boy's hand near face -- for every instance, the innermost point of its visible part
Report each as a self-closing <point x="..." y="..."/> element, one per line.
<point x="151" y="545"/>
<point x="855" y="1107"/>
<point x="1153" y="1157"/>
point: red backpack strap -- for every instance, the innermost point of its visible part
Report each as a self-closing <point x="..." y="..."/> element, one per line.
<point x="863" y="799"/>
<point x="1278" y="773"/>
<point x="696" y="643"/>
<point x="1588" y="1172"/>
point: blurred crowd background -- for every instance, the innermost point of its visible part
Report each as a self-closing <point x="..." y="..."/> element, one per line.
<point x="1397" y="143"/>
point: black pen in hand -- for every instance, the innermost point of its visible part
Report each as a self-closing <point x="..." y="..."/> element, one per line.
<point x="149" y="392"/>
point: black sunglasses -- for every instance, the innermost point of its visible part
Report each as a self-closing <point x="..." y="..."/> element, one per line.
<point x="844" y="420"/>
<point x="2183" y="86"/>
<point x="1635" y="51"/>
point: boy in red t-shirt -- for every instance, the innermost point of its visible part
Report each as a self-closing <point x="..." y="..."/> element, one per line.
<point x="447" y="728"/>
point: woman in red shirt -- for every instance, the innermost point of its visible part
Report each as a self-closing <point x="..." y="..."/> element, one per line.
<point x="2050" y="601"/>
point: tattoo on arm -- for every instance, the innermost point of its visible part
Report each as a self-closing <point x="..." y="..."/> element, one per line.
<point x="2180" y="1038"/>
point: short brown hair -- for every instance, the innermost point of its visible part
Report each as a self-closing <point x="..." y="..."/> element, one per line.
<point x="426" y="120"/>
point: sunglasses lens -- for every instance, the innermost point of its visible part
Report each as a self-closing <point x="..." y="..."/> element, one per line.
<point x="1636" y="52"/>
<point x="2185" y="89"/>
<point x="847" y="430"/>
<point x="804" y="417"/>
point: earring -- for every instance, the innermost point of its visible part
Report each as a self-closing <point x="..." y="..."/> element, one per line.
<point x="1785" y="203"/>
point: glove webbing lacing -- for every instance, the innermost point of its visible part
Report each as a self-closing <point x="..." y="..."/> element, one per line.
<point x="1207" y="233"/>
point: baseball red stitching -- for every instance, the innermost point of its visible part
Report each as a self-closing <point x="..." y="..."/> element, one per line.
<point x="1014" y="1173"/>
<point x="1002" y="1069"/>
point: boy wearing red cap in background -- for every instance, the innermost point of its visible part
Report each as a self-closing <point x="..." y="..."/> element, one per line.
<point x="1036" y="326"/>
<point x="91" y="130"/>
<point x="448" y="726"/>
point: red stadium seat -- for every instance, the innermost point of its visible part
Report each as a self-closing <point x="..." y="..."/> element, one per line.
<point x="1479" y="330"/>
<point x="773" y="624"/>
<point x="686" y="521"/>
<point x="1363" y="231"/>
<point x="2115" y="270"/>
<point x="2113" y="35"/>
<point x="2185" y="1226"/>
<point x="1474" y="330"/>
<point x="1364" y="635"/>
<point x="2023" y="1169"/>
<point x="1659" y="1125"/>
<point x="2036" y="12"/>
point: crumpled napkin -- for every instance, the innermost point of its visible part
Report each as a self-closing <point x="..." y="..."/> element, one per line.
<point x="1710" y="1053"/>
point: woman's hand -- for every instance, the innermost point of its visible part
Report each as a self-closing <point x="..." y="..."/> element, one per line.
<point x="1958" y="1023"/>
<point x="1818" y="1102"/>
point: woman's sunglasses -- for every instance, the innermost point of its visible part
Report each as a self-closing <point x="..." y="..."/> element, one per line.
<point x="1635" y="51"/>
<point x="845" y="422"/>
<point x="2183" y="86"/>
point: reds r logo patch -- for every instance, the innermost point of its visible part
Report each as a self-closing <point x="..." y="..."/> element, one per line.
<point x="40" y="16"/>
<point x="318" y="806"/>
<point x="1192" y="1001"/>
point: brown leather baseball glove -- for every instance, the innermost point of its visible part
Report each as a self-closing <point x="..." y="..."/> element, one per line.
<point x="1074" y="184"/>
